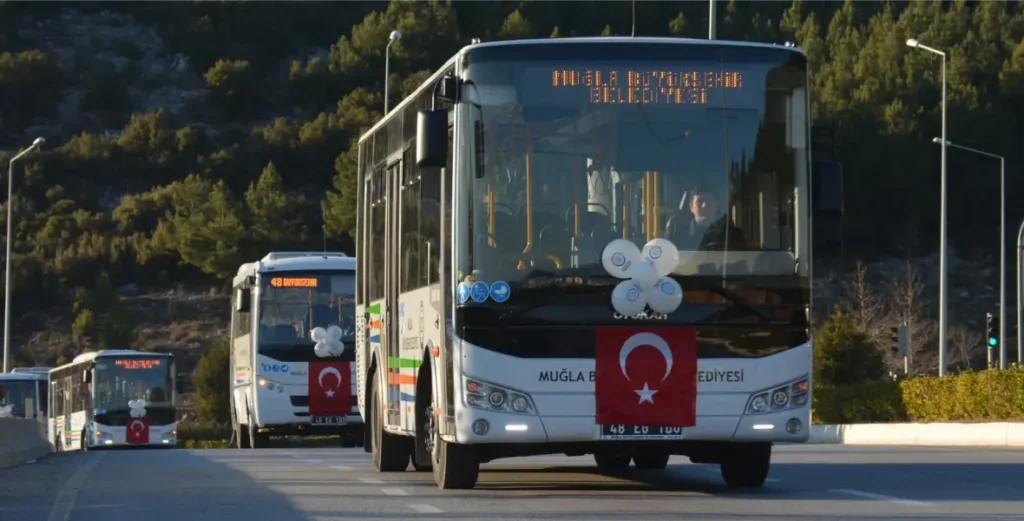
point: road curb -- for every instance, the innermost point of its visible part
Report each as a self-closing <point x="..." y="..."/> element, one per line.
<point x="1002" y="434"/>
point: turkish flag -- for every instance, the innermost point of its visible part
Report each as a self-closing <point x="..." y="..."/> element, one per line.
<point x="646" y="376"/>
<point x="137" y="431"/>
<point x="330" y="388"/>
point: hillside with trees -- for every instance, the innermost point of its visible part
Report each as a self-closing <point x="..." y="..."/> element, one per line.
<point x="184" y="139"/>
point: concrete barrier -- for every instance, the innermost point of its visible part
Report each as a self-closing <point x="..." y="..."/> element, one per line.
<point x="21" y="440"/>
<point x="926" y="434"/>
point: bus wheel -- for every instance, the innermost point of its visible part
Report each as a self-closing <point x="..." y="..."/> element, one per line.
<point x="611" y="462"/>
<point x="651" y="459"/>
<point x="390" y="452"/>
<point x="83" y="444"/>
<point x="746" y="464"/>
<point x="455" y="466"/>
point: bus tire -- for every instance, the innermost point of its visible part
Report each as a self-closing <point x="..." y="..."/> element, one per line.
<point x="421" y="454"/>
<point x="256" y="439"/>
<point x="651" y="459"/>
<point x="390" y="452"/>
<point x="746" y="464"/>
<point x="241" y="436"/>
<point x="455" y="466"/>
<point x="82" y="441"/>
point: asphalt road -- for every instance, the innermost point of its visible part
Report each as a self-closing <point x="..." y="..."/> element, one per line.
<point x="806" y="483"/>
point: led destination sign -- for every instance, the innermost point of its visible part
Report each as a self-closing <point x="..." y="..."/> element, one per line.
<point x="137" y="363"/>
<point x="293" y="282"/>
<point x="639" y="86"/>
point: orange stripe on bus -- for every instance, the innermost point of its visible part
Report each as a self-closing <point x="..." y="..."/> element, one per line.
<point x="403" y="379"/>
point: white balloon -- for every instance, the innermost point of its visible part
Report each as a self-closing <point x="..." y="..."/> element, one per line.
<point x="663" y="254"/>
<point x="135" y="413"/>
<point x="665" y="296"/>
<point x="337" y="349"/>
<point x="334" y="333"/>
<point x="628" y="298"/>
<point x="321" y="349"/>
<point x="318" y="334"/>
<point x="618" y="256"/>
<point x="643" y="273"/>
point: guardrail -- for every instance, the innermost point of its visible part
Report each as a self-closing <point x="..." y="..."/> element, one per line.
<point x="1001" y="434"/>
<point x="21" y="440"/>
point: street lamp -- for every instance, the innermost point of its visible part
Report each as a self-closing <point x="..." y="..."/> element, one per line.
<point x="943" y="265"/>
<point x="394" y="37"/>
<point x="7" y="281"/>
<point x="1002" y="248"/>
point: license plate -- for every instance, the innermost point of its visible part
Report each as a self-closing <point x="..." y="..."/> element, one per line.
<point x="641" y="432"/>
<point x="328" y="420"/>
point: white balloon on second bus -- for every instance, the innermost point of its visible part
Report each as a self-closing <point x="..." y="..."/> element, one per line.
<point x="628" y="298"/>
<point x="619" y="256"/>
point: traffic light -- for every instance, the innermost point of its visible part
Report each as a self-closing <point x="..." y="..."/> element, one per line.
<point x="992" y="330"/>
<point x="899" y="340"/>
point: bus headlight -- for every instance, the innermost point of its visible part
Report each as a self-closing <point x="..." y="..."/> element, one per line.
<point x="492" y="397"/>
<point x="792" y="395"/>
<point x="270" y="385"/>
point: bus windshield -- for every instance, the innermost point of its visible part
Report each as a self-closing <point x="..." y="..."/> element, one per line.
<point x="13" y="393"/>
<point x="293" y="303"/>
<point x="577" y="145"/>
<point x="119" y="380"/>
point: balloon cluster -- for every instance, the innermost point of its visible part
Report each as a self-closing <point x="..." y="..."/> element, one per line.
<point x="138" y="408"/>
<point x="328" y="341"/>
<point x="646" y="273"/>
<point x="7" y="411"/>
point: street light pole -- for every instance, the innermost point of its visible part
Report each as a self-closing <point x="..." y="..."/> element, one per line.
<point x="1002" y="248"/>
<point x="392" y="38"/>
<point x="1020" y="296"/>
<point x="10" y="239"/>
<point x="943" y="253"/>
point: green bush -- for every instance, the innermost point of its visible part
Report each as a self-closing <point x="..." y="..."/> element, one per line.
<point x="211" y="384"/>
<point x="844" y="355"/>
<point x="193" y="430"/>
<point x="991" y="395"/>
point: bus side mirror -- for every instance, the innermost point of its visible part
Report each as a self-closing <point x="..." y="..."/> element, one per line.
<point x="243" y="299"/>
<point x="827" y="189"/>
<point x="432" y="138"/>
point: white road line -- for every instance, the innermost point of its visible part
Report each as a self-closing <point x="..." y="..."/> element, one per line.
<point x="395" y="492"/>
<point x="424" y="508"/>
<point x="65" y="501"/>
<point x="342" y="468"/>
<point x="880" y="497"/>
<point x="373" y="481"/>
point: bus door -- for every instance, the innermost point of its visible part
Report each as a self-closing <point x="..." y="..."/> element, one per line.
<point x="393" y="256"/>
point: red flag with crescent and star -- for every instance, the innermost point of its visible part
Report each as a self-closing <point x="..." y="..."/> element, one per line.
<point x="330" y="388"/>
<point x="646" y="376"/>
<point x="137" y="431"/>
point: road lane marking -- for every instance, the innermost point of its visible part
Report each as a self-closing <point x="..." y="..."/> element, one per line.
<point x="342" y="468"/>
<point x="880" y="497"/>
<point x="372" y="481"/>
<point x="65" y="501"/>
<point x="395" y="492"/>
<point x="424" y="508"/>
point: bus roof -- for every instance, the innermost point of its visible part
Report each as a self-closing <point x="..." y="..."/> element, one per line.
<point x="22" y="376"/>
<point x="565" y="41"/>
<point x="84" y="357"/>
<point x="35" y="370"/>
<point x="295" y="261"/>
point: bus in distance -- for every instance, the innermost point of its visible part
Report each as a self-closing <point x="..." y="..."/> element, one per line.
<point x="113" y="397"/>
<point x="292" y="348"/>
<point x="23" y="394"/>
<point x="588" y="246"/>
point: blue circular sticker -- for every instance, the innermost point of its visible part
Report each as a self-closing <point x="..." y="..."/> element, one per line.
<point x="500" y="291"/>
<point x="463" y="292"/>
<point x="479" y="291"/>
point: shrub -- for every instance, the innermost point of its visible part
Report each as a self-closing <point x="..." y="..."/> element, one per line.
<point x="211" y="383"/>
<point x="194" y="430"/>
<point x="991" y="395"/>
<point x="843" y="354"/>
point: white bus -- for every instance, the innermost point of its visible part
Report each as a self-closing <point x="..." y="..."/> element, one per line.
<point x="280" y="384"/>
<point x="23" y="393"/>
<point x="113" y="397"/>
<point x="589" y="246"/>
